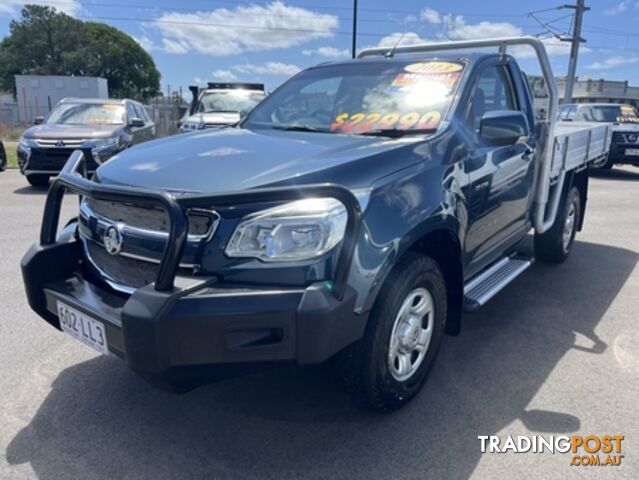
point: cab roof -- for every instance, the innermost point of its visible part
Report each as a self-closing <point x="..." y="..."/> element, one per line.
<point x="111" y="101"/>
<point x="471" y="57"/>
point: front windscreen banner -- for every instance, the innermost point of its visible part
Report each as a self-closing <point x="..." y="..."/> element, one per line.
<point x="364" y="98"/>
<point x="416" y="97"/>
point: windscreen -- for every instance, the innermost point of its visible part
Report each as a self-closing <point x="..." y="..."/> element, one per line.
<point x="363" y="98"/>
<point x="610" y="114"/>
<point x="240" y="101"/>
<point x="87" y="114"/>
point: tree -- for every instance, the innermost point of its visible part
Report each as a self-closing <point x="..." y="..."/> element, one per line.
<point x="46" y="42"/>
<point x="114" y="55"/>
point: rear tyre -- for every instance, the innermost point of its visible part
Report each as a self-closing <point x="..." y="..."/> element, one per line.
<point x="389" y="366"/>
<point x="38" y="180"/>
<point x="3" y="158"/>
<point x="555" y="245"/>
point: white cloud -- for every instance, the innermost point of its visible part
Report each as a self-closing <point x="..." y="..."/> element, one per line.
<point x="145" y="42"/>
<point x="244" y="28"/>
<point x="401" y="39"/>
<point x="177" y="47"/>
<point x="619" y="8"/>
<point x="224" y="75"/>
<point x="71" y="7"/>
<point x="613" y="62"/>
<point x="269" y="68"/>
<point x="328" y="52"/>
<point x="455" y="27"/>
<point x="431" y="16"/>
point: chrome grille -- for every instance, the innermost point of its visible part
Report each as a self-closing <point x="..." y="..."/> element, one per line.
<point x="155" y="219"/>
<point x="137" y="266"/>
<point x="625" y="137"/>
<point x="124" y="271"/>
<point x="60" y="143"/>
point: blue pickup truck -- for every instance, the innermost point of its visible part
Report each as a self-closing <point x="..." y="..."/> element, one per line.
<point x="353" y="215"/>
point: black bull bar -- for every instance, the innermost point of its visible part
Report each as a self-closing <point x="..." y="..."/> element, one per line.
<point x="73" y="179"/>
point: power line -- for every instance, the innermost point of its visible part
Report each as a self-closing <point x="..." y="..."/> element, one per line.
<point x="155" y="8"/>
<point x="247" y="4"/>
<point x="227" y="25"/>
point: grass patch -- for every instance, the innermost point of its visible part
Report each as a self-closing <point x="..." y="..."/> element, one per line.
<point x="12" y="158"/>
<point x="11" y="134"/>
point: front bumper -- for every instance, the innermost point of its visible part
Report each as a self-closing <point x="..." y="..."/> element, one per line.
<point x="170" y="330"/>
<point x="50" y="161"/>
<point x="618" y="153"/>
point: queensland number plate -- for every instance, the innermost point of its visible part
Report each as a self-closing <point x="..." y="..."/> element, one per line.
<point x="83" y="328"/>
<point x="632" y="152"/>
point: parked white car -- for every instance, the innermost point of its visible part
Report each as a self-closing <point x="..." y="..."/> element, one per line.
<point x="221" y="104"/>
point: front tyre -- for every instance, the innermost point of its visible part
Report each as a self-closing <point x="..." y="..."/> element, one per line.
<point x="555" y="245"/>
<point x="389" y="366"/>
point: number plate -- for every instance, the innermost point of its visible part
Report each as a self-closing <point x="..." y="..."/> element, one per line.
<point x="632" y="152"/>
<point x="83" y="328"/>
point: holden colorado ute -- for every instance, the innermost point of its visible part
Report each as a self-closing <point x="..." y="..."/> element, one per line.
<point x="354" y="214"/>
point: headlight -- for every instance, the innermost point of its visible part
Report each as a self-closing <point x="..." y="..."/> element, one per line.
<point x="188" y="127"/>
<point x="103" y="149"/>
<point x="299" y="230"/>
<point x="26" y="144"/>
<point x="104" y="144"/>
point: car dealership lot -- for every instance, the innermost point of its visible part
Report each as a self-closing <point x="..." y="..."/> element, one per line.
<point x="566" y="365"/>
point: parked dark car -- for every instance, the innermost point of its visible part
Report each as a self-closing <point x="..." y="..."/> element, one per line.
<point x="99" y="127"/>
<point x="356" y="212"/>
<point x="3" y="157"/>
<point x="624" y="123"/>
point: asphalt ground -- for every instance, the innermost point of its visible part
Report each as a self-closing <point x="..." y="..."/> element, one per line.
<point x="556" y="353"/>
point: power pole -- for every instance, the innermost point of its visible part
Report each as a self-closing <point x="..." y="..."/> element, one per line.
<point x="354" y="27"/>
<point x="576" y="39"/>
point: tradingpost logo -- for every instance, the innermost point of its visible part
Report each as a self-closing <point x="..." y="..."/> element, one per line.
<point x="590" y="450"/>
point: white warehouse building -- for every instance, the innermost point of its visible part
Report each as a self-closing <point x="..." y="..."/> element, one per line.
<point x="38" y="94"/>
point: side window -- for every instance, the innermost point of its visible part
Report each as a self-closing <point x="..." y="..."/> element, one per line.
<point x="572" y="113"/>
<point x="130" y="112"/>
<point x="493" y="91"/>
<point x="139" y="112"/>
<point x="584" y="114"/>
<point x="145" y="112"/>
<point x="562" y="113"/>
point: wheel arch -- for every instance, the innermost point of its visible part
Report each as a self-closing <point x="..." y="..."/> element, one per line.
<point x="439" y="240"/>
<point x="581" y="180"/>
<point x="443" y="246"/>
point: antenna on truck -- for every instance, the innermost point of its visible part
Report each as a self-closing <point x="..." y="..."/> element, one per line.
<point x="391" y="52"/>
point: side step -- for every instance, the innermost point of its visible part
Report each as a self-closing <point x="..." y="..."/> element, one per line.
<point x="491" y="281"/>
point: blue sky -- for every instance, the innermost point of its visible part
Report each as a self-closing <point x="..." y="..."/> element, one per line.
<point x="193" y="41"/>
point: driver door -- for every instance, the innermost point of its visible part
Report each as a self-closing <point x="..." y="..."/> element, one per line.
<point x="501" y="177"/>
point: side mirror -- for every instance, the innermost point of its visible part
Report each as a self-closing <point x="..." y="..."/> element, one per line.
<point x="503" y="127"/>
<point x="38" y="120"/>
<point x="136" y="122"/>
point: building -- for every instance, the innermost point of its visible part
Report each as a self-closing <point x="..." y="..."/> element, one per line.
<point x="38" y="94"/>
<point x="8" y="109"/>
<point x="588" y="90"/>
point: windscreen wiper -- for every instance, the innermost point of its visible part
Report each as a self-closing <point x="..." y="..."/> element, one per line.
<point x="298" y="128"/>
<point x="397" y="132"/>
